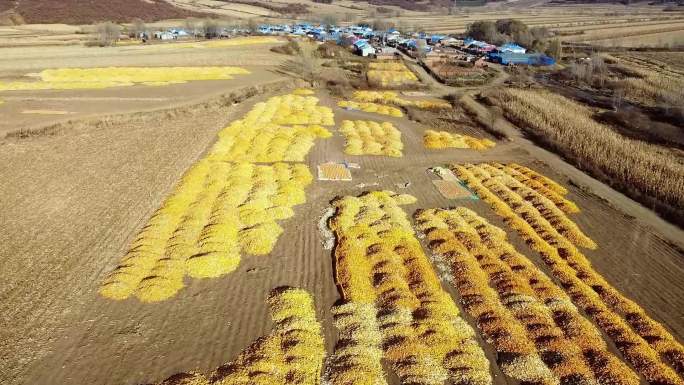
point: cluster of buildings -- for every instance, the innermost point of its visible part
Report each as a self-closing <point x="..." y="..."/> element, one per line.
<point x="365" y="41"/>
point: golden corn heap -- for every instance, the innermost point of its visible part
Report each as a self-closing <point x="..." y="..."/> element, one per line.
<point x="95" y="78"/>
<point x="534" y="206"/>
<point x="365" y="137"/>
<point x="517" y="306"/>
<point x="371" y="107"/>
<point x="391" y="97"/>
<point x="443" y="139"/>
<point x="303" y="91"/>
<point x="394" y="302"/>
<point x="390" y="74"/>
<point x="216" y="212"/>
<point x="225" y="205"/>
<point x="283" y="128"/>
<point x="291" y="354"/>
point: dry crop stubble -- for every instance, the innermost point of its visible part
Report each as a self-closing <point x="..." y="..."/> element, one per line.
<point x="645" y="344"/>
<point x="518" y="308"/>
<point x="394" y="306"/>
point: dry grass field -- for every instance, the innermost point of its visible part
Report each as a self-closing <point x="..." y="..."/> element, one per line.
<point x="170" y="228"/>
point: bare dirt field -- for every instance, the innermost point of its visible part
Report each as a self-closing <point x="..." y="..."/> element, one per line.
<point x="74" y="202"/>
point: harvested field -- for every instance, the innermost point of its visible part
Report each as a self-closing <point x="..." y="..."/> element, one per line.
<point x="525" y="200"/>
<point x="139" y="247"/>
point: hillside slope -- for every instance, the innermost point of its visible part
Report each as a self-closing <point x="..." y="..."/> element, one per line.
<point x="90" y="11"/>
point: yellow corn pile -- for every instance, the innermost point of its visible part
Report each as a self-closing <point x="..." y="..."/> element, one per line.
<point x="94" y="78"/>
<point x="516" y="305"/>
<point x="372" y="107"/>
<point x="225" y="205"/>
<point x="291" y="354"/>
<point x="394" y="305"/>
<point x="371" y="138"/>
<point x="390" y="75"/>
<point x="391" y="97"/>
<point x="534" y="206"/>
<point x="443" y="139"/>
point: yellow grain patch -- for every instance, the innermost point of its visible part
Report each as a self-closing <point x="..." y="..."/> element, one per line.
<point x="394" y="305"/>
<point x="217" y="212"/>
<point x="391" y="97"/>
<point x="225" y="205"/>
<point x="96" y="78"/>
<point x="366" y="137"/>
<point x="303" y="91"/>
<point x="443" y="139"/>
<point x="390" y="75"/>
<point x="372" y="107"/>
<point x="536" y="212"/>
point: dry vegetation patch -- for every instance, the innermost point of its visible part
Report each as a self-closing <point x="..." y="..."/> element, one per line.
<point x="644" y="171"/>
<point x="510" y="191"/>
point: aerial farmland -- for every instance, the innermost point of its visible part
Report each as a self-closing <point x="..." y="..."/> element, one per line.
<point x="211" y="193"/>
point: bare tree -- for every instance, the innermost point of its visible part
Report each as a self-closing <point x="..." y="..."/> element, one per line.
<point x="421" y="45"/>
<point x="108" y="33"/>
<point x="138" y="27"/>
<point x="329" y="20"/>
<point x="211" y="28"/>
<point x="252" y="25"/>
<point x="618" y="98"/>
<point x="194" y="26"/>
<point x="306" y="63"/>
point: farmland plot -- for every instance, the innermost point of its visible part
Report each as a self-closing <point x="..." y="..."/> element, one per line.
<point x="224" y="206"/>
<point x="527" y="201"/>
<point x="97" y="78"/>
<point x="292" y="353"/>
<point x="526" y="317"/>
<point x="395" y="301"/>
